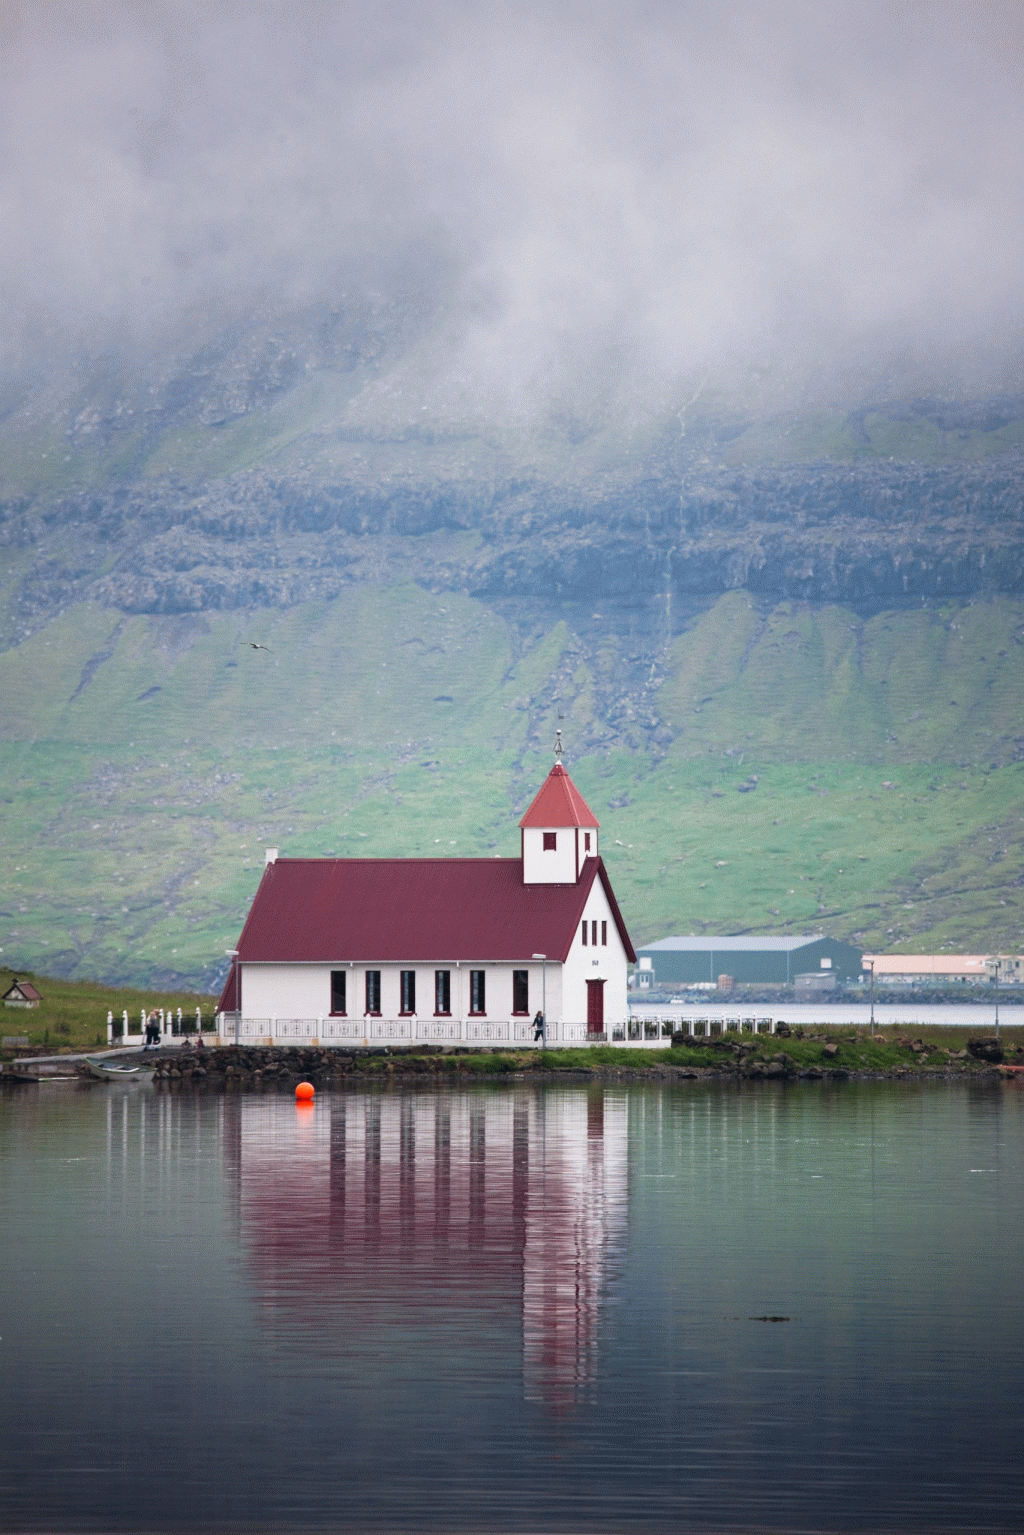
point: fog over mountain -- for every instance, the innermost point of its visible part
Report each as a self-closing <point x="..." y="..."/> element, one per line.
<point x="584" y="206"/>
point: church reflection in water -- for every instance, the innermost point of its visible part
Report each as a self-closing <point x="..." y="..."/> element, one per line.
<point x="507" y="1206"/>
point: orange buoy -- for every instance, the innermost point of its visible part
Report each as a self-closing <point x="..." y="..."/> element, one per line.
<point x="305" y="1092"/>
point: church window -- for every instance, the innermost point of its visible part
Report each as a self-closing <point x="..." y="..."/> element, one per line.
<point x="520" y="991"/>
<point x="408" y="991"/>
<point x="373" y="991"/>
<point x="585" y="932"/>
<point x="586" y="842"/>
<point x="593" y="932"/>
<point x="442" y="991"/>
<point x="604" y="933"/>
<point x="550" y="842"/>
<point x="477" y="992"/>
<point x="338" y="991"/>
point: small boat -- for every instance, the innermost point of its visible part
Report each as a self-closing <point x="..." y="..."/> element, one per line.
<point x="107" y="1071"/>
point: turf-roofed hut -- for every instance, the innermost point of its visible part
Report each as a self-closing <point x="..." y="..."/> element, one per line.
<point x="443" y="949"/>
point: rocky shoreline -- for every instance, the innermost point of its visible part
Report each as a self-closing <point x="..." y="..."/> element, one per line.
<point x="815" y="1058"/>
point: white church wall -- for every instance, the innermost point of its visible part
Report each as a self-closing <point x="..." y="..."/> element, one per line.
<point x="556" y="866"/>
<point x="286" y="991"/>
<point x="603" y="962"/>
<point x="304" y="991"/>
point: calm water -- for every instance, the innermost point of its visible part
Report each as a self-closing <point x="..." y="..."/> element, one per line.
<point x="513" y="1309"/>
<point x="894" y="1015"/>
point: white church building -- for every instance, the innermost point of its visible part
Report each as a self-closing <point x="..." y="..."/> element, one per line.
<point x="445" y="950"/>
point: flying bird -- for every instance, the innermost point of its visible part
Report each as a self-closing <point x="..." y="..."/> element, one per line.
<point x="254" y="646"/>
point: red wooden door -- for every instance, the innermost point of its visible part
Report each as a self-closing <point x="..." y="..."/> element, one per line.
<point x="595" y="1007"/>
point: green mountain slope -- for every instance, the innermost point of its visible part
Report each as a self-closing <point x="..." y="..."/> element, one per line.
<point x="801" y="767"/>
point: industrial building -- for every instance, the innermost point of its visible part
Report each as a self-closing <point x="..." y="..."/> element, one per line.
<point x="748" y="960"/>
<point x="928" y="969"/>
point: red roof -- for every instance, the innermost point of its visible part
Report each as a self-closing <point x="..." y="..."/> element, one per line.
<point x="559" y="803"/>
<point x="415" y="909"/>
<point x="23" y="989"/>
<point x="229" y="996"/>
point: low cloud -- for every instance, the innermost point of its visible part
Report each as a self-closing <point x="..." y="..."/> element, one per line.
<point x="599" y="204"/>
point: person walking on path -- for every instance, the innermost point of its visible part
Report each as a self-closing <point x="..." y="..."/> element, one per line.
<point x="538" y="1026"/>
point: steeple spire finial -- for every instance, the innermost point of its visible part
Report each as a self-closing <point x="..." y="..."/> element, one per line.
<point x="558" y="747"/>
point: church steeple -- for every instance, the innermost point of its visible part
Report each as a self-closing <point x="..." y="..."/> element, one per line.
<point x="559" y="831"/>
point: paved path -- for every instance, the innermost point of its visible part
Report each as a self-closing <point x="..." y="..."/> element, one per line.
<point x="112" y="1051"/>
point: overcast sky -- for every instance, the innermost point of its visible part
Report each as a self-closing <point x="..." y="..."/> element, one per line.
<point x="667" y="189"/>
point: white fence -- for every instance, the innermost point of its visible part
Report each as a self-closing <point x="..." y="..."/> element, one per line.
<point x="649" y="1033"/>
<point x="119" y="1030"/>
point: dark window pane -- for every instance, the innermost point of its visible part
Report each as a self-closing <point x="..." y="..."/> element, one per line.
<point x="520" y="991"/>
<point x="477" y="992"/>
<point x="442" y="991"/>
<point x="550" y="838"/>
<point x="593" y="932"/>
<point x="604" y="932"/>
<point x="584" y="930"/>
<point x="373" y="991"/>
<point x="408" y="991"/>
<point x="337" y="991"/>
<point x="586" y="842"/>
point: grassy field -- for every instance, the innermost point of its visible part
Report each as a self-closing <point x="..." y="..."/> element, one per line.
<point x="828" y="772"/>
<point x="73" y="1014"/>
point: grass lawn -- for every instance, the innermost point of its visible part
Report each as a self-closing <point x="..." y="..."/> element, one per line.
<point x="73" y="1014"/>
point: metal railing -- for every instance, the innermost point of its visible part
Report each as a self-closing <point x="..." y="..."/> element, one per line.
<point x="232" y="1028"/>
<point x="650" y="1033"/>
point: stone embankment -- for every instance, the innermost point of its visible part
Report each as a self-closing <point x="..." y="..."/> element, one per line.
<point x="810" y="1058"/>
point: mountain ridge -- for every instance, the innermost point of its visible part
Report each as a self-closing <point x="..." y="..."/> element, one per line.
<point x="790" y="686"/>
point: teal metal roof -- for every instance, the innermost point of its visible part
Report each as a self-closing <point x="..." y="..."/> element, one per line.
<point x="745" y="944"/>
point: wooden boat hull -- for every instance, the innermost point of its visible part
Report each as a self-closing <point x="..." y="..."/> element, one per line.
<point x="109" y="1073"/>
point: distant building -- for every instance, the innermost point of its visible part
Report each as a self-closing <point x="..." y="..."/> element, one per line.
<point x="918" y="969"/>
<point x="815" y="983"/>
<point x="1005" y="969"/>
<point x="748" y="960"/>
<point x="21" y="994"/>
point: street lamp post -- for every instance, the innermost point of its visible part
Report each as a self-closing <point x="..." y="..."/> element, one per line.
<point x="543" y="998"/>
<point x="871" y="968"/>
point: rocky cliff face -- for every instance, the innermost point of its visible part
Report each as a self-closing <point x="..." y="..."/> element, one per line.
<point x="864" y="534"/>
<point x="290" y="456"/>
